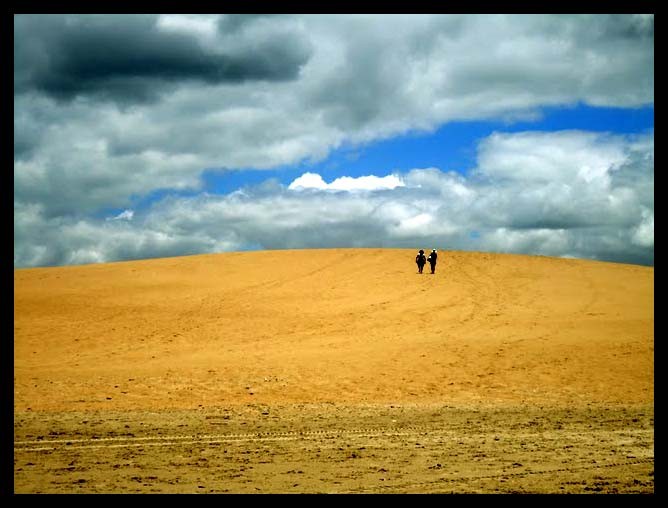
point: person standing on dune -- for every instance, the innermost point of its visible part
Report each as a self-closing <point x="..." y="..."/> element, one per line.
<point x="432" y="260"/>
<point x="421" y="260"/>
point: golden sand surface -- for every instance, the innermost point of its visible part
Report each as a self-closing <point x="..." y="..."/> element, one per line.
<point x="335" y="371"/>
<point x="353" y="326"/>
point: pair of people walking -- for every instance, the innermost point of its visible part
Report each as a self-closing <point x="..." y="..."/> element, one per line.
<point x="421" y="260"/>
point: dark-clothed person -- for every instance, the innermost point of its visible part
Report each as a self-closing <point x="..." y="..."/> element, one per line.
<point x="420" y="260"/>
<point x="432" y="260"/>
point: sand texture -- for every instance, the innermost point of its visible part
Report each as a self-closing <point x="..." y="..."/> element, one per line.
<point x="335" y="370"/>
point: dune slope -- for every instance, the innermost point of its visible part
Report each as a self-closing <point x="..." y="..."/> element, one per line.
<point x="334" y="325"/>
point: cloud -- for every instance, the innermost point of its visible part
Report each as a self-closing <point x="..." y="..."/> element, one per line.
<point x="124" y="215"/>
<point x="129" y="57"/>
<point x="609" y="217"/>
<point x="346" y="183"/>
<point x="113" y="110"/>
<point x="151" y="90"/>
<point x="266" y="91"/>
<point x="643" y="234"/>
<point x="560" y="157"/>
<point x="72" y="171"/>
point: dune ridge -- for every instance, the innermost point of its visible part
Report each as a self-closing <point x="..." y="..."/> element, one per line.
<point x="354" y="326"/>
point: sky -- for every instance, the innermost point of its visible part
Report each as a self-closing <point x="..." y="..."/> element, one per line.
<point x="141" y="136"/>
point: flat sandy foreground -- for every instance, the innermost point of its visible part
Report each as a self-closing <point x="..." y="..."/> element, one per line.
<point x="335" y="371"/>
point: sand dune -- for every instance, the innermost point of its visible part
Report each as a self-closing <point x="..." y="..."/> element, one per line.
<point x="336" y="371"/>
<point x="354" y="326"/>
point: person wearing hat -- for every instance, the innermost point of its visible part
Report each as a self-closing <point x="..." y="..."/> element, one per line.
<point x="432" y="260"/>
<point x="421" y="260"/>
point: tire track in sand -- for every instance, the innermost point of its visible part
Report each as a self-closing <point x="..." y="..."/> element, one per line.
<point x="206" y="439"/>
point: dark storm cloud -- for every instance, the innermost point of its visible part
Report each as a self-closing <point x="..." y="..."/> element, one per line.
<point x="127" y="57"/>
<point x="233" y="23"/>
<point x="626" y="27"/>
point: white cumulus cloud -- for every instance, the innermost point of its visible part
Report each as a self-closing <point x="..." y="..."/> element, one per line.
<point x="347" y="183"/>
<point x="643" y="234"/>
<point x="124" y="215"/>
